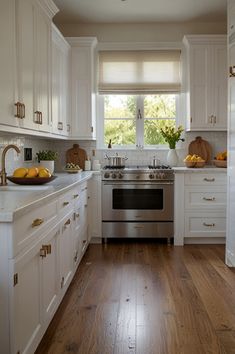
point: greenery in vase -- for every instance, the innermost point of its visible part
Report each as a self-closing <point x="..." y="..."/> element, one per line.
<point x="172" y="135"/>
<point x="46" y="155"/>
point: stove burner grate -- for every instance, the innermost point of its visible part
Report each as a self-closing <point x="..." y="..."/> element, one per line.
<point x="159" y="167"/>
<point x="107" y="167"/>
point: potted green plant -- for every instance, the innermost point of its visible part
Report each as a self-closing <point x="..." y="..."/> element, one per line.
<point x="46" y="158"/>
<point x="172" y="135"/>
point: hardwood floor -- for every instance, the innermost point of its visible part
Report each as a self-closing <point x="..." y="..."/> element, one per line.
<point x="147" y="298"/>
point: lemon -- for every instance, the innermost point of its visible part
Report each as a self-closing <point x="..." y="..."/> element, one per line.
<point x="20" y="172"/>
<point x="44" y="172"/>
<point x="32" y="172"/>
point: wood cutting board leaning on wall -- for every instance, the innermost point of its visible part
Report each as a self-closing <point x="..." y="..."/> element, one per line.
<point x="77" y="156"/>
<point x="201" y="148"/>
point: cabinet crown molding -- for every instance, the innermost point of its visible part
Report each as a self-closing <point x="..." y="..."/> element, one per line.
<point x="82" y="41"/>
<point x="205" y="39"/>
<point x="49" y="7"/>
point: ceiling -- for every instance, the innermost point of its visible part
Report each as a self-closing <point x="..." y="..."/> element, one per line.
<point x="140" y="11"/>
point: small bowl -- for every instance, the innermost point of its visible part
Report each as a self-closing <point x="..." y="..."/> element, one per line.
<point x="73" y="170"/>
<point x="195" y="164"/>
<point x="220" y="163"/>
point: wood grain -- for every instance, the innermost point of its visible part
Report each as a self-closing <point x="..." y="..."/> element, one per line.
<point x="147" y="298"/>
<point x="201" y="148"/>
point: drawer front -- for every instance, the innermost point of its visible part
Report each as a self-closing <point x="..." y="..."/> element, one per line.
<point x="205" y="179"/>
<point x="205" y="225"/>
<point x="30" y="227"/>
<point x="207" y="198"/>
<point x="66" y="202"/>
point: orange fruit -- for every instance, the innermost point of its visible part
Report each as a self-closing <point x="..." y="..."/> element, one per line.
<point x="32" y="172"/>
<point x="20" y="172"/>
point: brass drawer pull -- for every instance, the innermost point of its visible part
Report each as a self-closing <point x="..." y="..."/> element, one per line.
<point x="209" y="179"/>
<point x="37" y="222"/>
<point x="212" y="199"/>
<point x="208" y="225"/>
<point x="60" y="126"/>
<point x="76" y="196"/>
<point x="76" y="215"/>
<point x="47" y="248"/>
<point x="65" y="203"/>
<point x="68" y="222"/>
<point x="62" y="282"/>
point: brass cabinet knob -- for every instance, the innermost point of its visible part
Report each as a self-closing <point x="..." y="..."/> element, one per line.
<point x="37" y="222"/>
<point x="65" y="203"/>
<point x="68" y="222"/>
<point x="212" y="199"/>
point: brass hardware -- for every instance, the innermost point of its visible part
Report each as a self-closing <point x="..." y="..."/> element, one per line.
<point x="214" y="119"/>
<point x="209" y="199"/>
<point x="76" y="196"/>
<point x="92" y="129"/>
<point x="191" y="119"/>
<point x="84" y="241"/>
<point x="15" y="279"/>
<point x="37" y="222"/>
<point x="23" y="110"/>
<point x="17" y="104"/>
<point x="65" y="203"/>
<point x="60" y="126"/>
<point x="232" y="71"/>
<point x="68" y="222"/>
<point x="209" y="179"/>
<point x="40" y="117"/>
<point x="209" y="225"/>
<point x="3" y="174"/>
<point x="62" y="282"/>
<point x="210" y="118"/>
<point x="85" y="205"/>
<point x="43" y="252"/>
<point x="68" y="127"/>
<point x="47" y="248"/>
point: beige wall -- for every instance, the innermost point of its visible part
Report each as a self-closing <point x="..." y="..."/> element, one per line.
<point x="149" y="32"/>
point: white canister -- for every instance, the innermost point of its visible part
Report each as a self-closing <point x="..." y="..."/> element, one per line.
<point x="87" y="165"/>
<point x="96" y="167"/>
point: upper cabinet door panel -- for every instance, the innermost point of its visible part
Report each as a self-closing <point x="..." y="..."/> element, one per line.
<point x="7" y="63"/>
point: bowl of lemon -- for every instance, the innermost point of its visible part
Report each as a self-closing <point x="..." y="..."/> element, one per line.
<point x="195" y="161"/>
<point x="32" y="175"/>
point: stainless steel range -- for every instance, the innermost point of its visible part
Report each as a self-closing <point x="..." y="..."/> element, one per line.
<point x="138" y="202"/>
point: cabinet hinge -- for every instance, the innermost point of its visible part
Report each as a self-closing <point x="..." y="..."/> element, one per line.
<point x="92" y="129"/>
<point x="15" y="279"/>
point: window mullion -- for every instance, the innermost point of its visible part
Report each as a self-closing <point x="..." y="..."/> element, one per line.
<point x="140" y="122"/>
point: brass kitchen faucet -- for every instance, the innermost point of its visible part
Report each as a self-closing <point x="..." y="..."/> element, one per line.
<point x="3" y="174"/>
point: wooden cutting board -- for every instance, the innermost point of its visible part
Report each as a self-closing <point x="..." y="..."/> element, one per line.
<point x="77" y="156"/>
<point x="200" y="147"/>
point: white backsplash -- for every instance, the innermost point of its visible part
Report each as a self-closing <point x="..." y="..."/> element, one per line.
<point x="218" y="141"/>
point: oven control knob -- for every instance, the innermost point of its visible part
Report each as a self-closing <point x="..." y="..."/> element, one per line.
<point x="151" y="176"/>
<point x="106" y="175"/>
<point x="114" y="175"/>
<point x="120" y="175"/>
<point x="162" y="175"/>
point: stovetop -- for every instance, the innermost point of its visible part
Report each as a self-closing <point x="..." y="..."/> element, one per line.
<point x="138" y="173"/>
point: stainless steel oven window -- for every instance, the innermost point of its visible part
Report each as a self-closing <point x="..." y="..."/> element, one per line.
<point x="137" y="199"/>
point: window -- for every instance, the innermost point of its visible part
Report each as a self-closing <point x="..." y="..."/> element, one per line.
<point x="136" y="120"/>
<point x="138" y="93"/>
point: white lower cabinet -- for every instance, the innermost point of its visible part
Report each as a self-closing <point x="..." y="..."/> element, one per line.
<point x="37" y="266"/>
<point x="200" y="207"/>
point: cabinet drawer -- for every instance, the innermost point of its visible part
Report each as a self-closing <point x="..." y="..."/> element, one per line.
<point x="66" y="202"/>
<point x="201" y="197"/>
<point x="205" y="179"/>
<point x="205" y="225"/>
<point x="30" y="227"/>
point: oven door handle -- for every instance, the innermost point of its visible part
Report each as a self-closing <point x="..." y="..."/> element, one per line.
<point x="142" y="183"/>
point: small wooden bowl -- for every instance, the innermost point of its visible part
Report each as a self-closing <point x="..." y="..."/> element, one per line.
<point x="220" y="163"/>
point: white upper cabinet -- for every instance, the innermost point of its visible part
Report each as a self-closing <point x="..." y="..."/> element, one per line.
<point x="7" y="62"/>
<point x="26" y="64"/>
<point x="204" y="83"/>
<point x="83" y="87"/>
<point x="60" y="84"/>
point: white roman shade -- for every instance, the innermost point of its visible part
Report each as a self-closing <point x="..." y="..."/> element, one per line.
<point x="139" y="72"/>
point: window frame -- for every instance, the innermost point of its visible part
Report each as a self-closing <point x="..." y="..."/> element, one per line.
<point x="139" y="144"/>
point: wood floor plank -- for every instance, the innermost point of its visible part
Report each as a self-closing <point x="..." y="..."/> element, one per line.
<point x="131" y="297"/>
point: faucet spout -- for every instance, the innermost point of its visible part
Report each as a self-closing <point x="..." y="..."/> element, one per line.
<point x="3" y="174"/>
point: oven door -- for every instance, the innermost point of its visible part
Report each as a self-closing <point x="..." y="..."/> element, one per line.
<point x="142" y="201"/>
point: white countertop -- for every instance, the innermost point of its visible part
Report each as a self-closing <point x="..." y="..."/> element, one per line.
<point x="16" y="199"/>
<point x="206" y="169"/>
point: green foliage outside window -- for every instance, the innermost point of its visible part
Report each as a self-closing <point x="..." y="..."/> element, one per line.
<point x="120" y="118"/>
